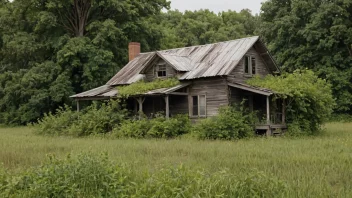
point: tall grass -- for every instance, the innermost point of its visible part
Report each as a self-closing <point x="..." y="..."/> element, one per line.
<point x="311" y="167"/>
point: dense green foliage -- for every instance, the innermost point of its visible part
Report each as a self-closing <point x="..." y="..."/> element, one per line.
<point x="309" y="99"/>
<point x="95" y="119"/>
<point x="232" y="123"/>
<point x="89" y="176"/>
<point x="313" y="34"/>
<point x="142" y="87"/>
<point x="203" y="27"/>
<point x="52" y="49"/>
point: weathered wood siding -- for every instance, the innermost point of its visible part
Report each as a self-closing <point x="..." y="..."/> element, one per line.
<point x="238" y="75"/>
<point x="151" y="72"/>
<point x="216" y="91"/>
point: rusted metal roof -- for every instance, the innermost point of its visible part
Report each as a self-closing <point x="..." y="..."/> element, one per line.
<point x="129" y="74"/>
<point x="180" y="63"/>
<point x="217" y="59"/>
<point x="258" y="90"/>
<point x="96" y="93"/>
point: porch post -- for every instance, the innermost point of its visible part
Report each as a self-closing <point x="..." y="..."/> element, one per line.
<point x="140" y="102"/>
<point x="167" y="107"/>
<point x="284" y="111"/>
<point x="77" y="104"/>
<point x="268" y="132"/>
<point x="268" y="109"/>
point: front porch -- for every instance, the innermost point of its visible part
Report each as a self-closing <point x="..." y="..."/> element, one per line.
<point x="271" y="113"/>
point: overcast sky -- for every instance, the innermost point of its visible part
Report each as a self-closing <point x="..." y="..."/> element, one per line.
<point x="217" y="5"/>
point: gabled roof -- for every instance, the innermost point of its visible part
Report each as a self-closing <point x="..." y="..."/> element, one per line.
<point x="217" y="59"/>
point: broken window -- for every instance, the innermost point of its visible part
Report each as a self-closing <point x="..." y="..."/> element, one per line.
<point x="250" y="65"/>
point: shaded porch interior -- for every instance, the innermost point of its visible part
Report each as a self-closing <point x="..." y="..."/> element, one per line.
<point x="153" y="105"/>
<point x="271" y="114"/>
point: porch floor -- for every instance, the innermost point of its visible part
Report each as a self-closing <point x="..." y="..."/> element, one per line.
<point x="272" y="129"/>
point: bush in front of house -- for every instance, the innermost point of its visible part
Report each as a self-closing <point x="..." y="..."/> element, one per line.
<point x="58" y="123"/>
<point x="230" y="124"/>
<point x="159" y="127"/>
<point x="96" y="119"/>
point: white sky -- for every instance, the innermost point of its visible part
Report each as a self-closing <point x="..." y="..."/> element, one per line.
<point x="217" y="5"/>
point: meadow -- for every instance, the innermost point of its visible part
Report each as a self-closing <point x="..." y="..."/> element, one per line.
<point x="319" y="166"/>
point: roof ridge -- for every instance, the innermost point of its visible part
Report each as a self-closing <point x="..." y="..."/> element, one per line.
<point x="202" y="45"/>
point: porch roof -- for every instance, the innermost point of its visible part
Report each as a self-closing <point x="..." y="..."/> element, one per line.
<point x="107" y="91"/>
<point x="246" y="87"/>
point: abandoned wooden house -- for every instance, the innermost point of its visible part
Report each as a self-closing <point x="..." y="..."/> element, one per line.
<point x="210" y="76"/>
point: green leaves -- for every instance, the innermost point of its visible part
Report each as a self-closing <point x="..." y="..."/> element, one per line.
<point x="142" y="87"/>
<point x="48" y="51"/>
<point x="232" y="123"/>
<point x="313" y="34"/>
<point x="309" y="98"/>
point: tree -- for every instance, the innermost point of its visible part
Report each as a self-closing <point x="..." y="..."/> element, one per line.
<point x="203" y="26"/>
<point x="51" y="49"/>
<point x="313" y="34"/>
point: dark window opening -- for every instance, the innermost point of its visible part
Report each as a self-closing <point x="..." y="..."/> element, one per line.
<point x="161" y="71"/>
<point x="253" y="66"/>
<point x="246" y="66"/>
<point x="195" y="105"/>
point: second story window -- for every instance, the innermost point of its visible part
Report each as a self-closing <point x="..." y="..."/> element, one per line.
<point x="250" y="65"/>
<point x="161" y="70"/>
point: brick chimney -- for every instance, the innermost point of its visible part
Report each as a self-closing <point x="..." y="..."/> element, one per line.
<point x="134" y="49"/>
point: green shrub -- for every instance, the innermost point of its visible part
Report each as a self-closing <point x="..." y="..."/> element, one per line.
<point x="91" y="176"/>
<point x="158" y="127"/>
<point x="3" y="179"/>
<point x="133" y="129"/>
<point x="169" y="128"/>
<point x="231" y="123"/>
<point x="98" y="119"/>
<point x="58" y="123"/>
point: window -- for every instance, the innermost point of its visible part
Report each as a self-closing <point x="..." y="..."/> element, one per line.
<point x="195" y="105"/>
<point x="199" y="105"/>
<point x="250" y="65"/>
<point x="253" y="66"/>
<point x="161" y="70"/>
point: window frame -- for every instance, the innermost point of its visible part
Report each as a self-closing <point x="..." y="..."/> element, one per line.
<point x="199" y="107"/>
<point x="250" y="59"/>
<point x="164" y="70"/>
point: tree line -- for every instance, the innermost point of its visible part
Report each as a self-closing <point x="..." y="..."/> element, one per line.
<point x="51" y="49"/>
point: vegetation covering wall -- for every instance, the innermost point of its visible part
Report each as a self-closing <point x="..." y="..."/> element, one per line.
<point x="309" y="99"/>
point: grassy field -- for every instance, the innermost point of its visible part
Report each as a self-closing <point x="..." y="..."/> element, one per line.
<point x="312" y="167"/>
